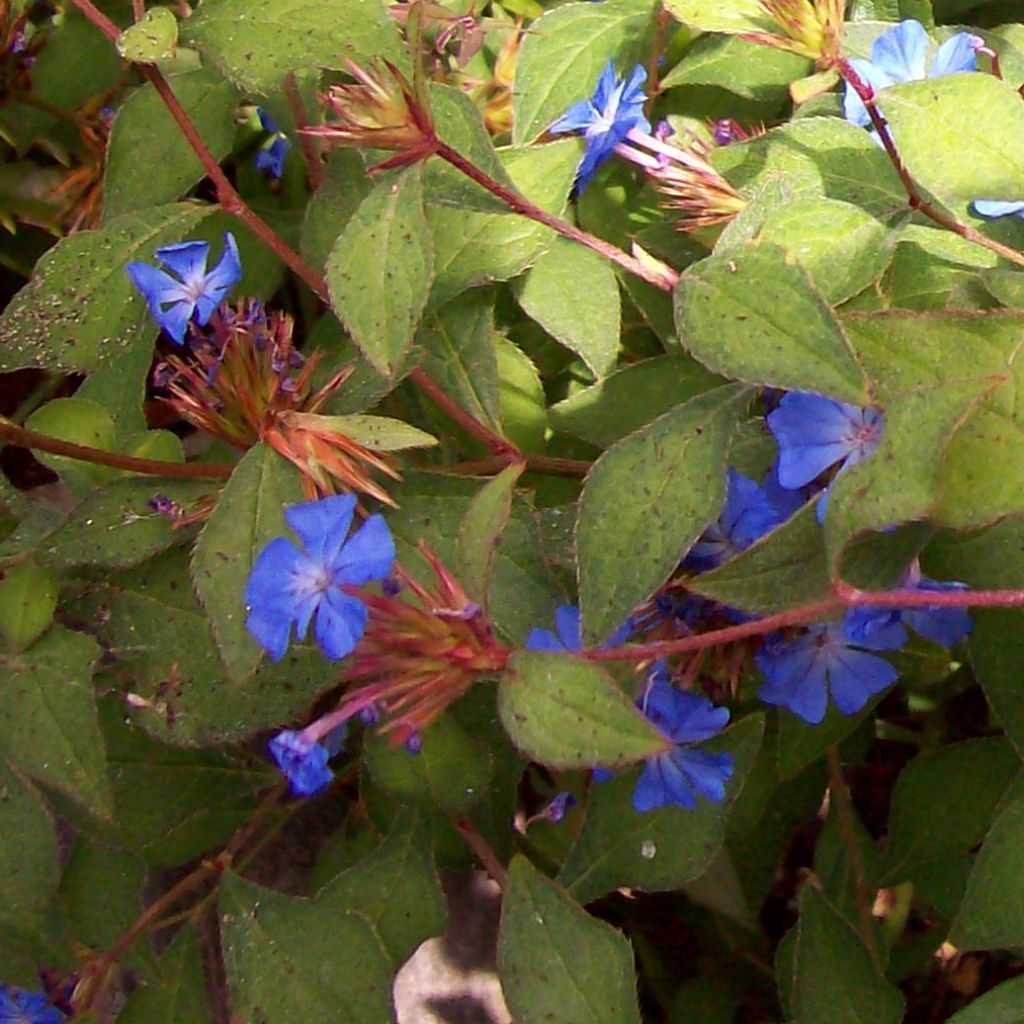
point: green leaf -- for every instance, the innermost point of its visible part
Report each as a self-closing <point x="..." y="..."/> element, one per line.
<point x="801" y="744"/>
<point x="79" y="421"/>
<point x="711" y="16"/>
<point x="29" y="868"/>
<point x="574" y="295"/>
<point x="834" y="977"/>
<point x="936" y="121"/>
<point x="661" y="849"/>
<point x="944" y="801"/>
<point x="754" y="314"/>
<point x="451" y="772"/>
<point x="248" y="516"/>
<point x="521" y="400"/>
<point x="458" y="342"/>
<point x="257" y="42"/>
<point x="785" y="568"/>
<point x="378" y="433"/>
<point x="474" y="248"/>
<point x="114" y="526"/>
<point x="564" y="53"/>
<point x="178" y="994"/>
<point x="144" y="125"/>
<point x="292" y="959"/>
<point x="630" y="398"/>
<point x="1000" y="1005"/>
<point x="568" y="713"/>
<point x="48" y="723"/>
<point x="80" y="311"/>
<point x="346" y="184"/>
<point x="381" y="267"/>
<point x="28" y="597"/>
<point x="152" y="38"/>
<point x="748" y="69"/>
<point x="645" y="502"/>
<point x="480" y="533"/>
<point x="992" y="912"/>
<point x="395" y="887"/>
<point x="559" y="965"/>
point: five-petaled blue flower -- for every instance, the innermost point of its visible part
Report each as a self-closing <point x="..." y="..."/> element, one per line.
<point x="615" y="109"/>
<point x="273" y="150"/>
<point x="569" y="638"/>
<point x="800" y="674"/>
<point x="20" y="1007"/>
<point x="172" y="302"/>
<point x="678" y="775"/>
<point x="749" y="514"/>
<point x="290" y="585"/>
<point x="899" y="55"/>
<point x="815" y="433"/>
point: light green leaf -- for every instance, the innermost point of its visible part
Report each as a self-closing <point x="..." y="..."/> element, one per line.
<point x="574" y="295"/>
<point x="936" y="121"/>
<point x="559" y="965"/>
<point x="834" y="977"/>
<point x="258" y="42"/>
<point x="521" y="400"/>
<point x="144" y="125"/>
<point x="661" y="849"/>
<point x="152" y="38"/>
<point x="754" y="314"/>
<point x="346" y="184"/>
<point x="712" y="16"/>
<point x="480" y="533"/>
<point x="48" y="722"/>
<point x="564" y="53"/>
<point x="249" y="514"/>
<point x="645" y="502"/>
<point x="568" y="713"/>
<point x="473" y="248"/>
<point x="747" y="69"/>
<point x="992" y="912"/>
<point x="292" y="959"/>
<point x="378" y="433"/>
<point x="381" y="267"/>
<point x="458" y="342"/>
<point x="80" y="311"/>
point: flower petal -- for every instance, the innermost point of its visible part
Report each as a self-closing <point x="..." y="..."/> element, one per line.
<point x="186" y="259"/>
<point x="368" y="555"/>
<point x="956" y="54"/>
<point x="340" y="622"/>
<point x="853" y="107"/>
<point x="901" y="51"/>
<point x="855" y="677"/>
<point x="322" y="524"/>
<point x="996" y="207"/>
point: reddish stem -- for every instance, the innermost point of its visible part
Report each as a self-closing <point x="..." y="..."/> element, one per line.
<point x="310" y="146"/>
<point x="664" y="280"/>
<point x="914" y="198"/>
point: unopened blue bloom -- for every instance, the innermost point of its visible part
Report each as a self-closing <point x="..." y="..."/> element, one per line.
<point x="998" y="208"/>
<point x="20" y="1007"/>
<point x="558" y="807"/>
<point x="197" y="293"/>
<point x="800" y="674"/>
<point x="679" y="775"/>
<point x="569" y="638"/>
<point x="273" y="150"/>
<point x="303" y="762"/>
<point x="289" y="585"/>
<point x="747" y="516"/>
<point x="614" y="110"/>
<point x="899" y="55"/>
<point x="815" y="433"/>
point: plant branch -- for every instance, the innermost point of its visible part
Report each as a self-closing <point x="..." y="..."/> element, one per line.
<point x="545" y="464"/>
<point x="11" y="433"/>
<point x="840" y="800"/>
<point x="480" y="847"/>
<point x="914" y="198"/>
<point x="663" y="280"/>
<point x="309" y="144"/>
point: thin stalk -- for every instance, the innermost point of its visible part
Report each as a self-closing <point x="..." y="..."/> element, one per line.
<point x="307" y="143"/>
<point x="11" y="433"/>
<point x="480" y="847"/>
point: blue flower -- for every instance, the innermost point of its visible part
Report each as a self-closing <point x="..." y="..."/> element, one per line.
<point x="815" y="433"/>
<point x="800" y="674"/>
<point x="679" y="775"/>
<point x="174" y="302"/>
<point x="569" y="638"/>
<point x="272" y="152"/>
<point x="20" y="1007"/>
<point x="749" y="514"/>
<point x="898" y="55"/>
<point x="997" y="208"/>
<point x="615" y="109"/>
<point x="303" y="762"/>
<point x="288" y="584"/>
